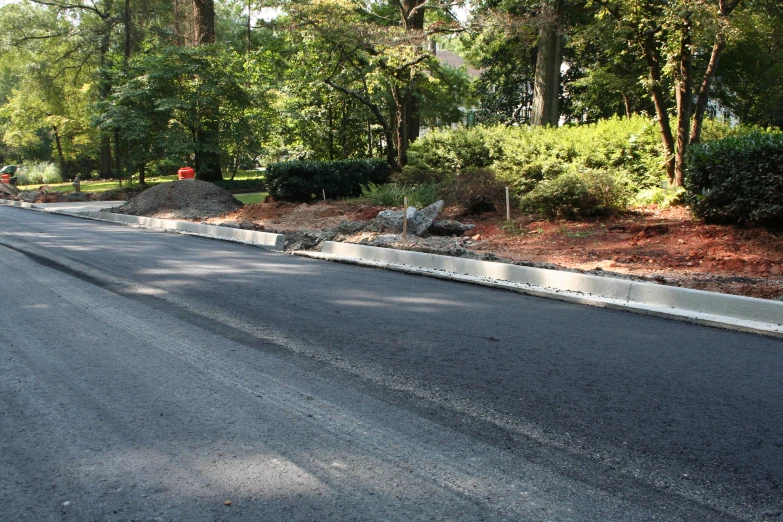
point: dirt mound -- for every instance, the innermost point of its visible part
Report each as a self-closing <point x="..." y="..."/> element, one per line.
<point x="188" y="199"/>
<point x="8" y="191"/>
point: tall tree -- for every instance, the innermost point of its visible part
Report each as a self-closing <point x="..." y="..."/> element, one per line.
<point x="546" y="93"/>
<point x="208" y="153"/>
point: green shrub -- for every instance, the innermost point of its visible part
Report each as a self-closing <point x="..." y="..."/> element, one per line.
<point x="304" y="180"/>
<point x="393" y="194"/>
<point x="452" y="149"/>
<point x="575" y="194"/>
<point x="475" y="190"/>
<point x="664" y="197"/>
<point x="522" y="157"/>
<point x="416" y="175"/>
<point x="737" y="179"/>
<point x="242" y="185"/>
<point x="39" y="173"/>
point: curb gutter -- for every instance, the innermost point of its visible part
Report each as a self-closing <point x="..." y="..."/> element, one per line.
<point x="251" y="237"/>
<point x="731" y="312"/>
<point x="260" y="239"/>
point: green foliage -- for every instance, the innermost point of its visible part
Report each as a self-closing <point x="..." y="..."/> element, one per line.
<point x="305" y="180"/>
<point x="664" y="197"/>
<point x="393" y="194"/>
<point x="450" y="150"/>
<point x="39" y="173"/>
<point x="475" y="190"/>
<point x="575" y="194"/>
<point x="416" y="175"/>
<point x="242" y="185"/>
<point x="738" y="180"/>
<point x="524" y="156"/>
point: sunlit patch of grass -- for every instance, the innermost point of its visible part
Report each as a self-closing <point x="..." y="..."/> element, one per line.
<point x="252" y="198"/>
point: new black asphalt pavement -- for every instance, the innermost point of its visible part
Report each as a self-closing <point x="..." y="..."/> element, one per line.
<point x="152" y="376"/>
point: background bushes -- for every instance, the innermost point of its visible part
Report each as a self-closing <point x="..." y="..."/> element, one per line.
<point x="304" y="180"/>
<point x="738" y="179"/>
<point x="522" y="157"/>
<point x="576" y="194"/>
<point x="38" y="173"/>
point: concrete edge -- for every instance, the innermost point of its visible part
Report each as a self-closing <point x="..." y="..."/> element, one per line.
<point x="260" y="239"/>
<point x="18" y="204"/>
<point x="695" y="306"/>
<point x="249" y="237"/>
<point x="726" y="311"/>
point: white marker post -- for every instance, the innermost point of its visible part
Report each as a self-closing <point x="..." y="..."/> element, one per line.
<point x="323" y="191"/>
<point x="405" y="218"/>
<point x="508" y="206"/>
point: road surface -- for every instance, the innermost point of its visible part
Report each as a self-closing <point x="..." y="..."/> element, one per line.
<point x="151" y="376"/>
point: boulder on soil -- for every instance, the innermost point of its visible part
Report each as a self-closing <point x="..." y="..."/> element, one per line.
<point x="187" y="199"/>
<point x="418" y="220"/>
<point x="447" y="227"/>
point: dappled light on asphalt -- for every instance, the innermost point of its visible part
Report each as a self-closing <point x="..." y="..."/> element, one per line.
<point x="195" y="371"/>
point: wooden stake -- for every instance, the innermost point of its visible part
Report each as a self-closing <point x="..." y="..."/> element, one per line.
<point x="324" y="193"/>
<point x="508" y="206"/>
<point x="405" y="218"/>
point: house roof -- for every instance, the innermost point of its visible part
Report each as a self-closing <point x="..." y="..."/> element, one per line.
<point x="455" y="60"/>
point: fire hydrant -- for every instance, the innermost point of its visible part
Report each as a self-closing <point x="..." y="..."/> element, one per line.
<point x="77" y="185"/>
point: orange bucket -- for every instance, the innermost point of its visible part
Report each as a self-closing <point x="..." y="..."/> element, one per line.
<point x="186" y="173"/>
<point x="5" y="178"/>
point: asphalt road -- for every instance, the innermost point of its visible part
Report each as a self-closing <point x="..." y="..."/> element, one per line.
<point x="151" y="376"/>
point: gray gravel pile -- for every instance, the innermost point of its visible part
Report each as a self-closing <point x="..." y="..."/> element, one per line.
<point x="189" y="199"/>
<point x="8" y="190"/>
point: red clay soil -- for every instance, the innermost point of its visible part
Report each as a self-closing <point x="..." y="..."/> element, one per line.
<point x="668" y="246"/>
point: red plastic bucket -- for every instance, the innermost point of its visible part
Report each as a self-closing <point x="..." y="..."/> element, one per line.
<point x="5" y="178"/>
<point x="186" y="173"/>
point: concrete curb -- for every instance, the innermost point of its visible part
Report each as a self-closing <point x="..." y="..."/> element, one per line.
<point x="18" y="204"/>
<point x="731" y="312"/>
<point x="695" y="306"/>
<point x="259" y="239"/>
<point x="250" y="237"/>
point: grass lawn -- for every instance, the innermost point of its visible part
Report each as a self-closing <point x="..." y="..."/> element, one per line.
<point x="253" y="197"/>
<point x="103" y="185"/>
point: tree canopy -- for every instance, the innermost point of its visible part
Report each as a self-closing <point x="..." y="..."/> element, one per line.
<point x="115" y="88"/>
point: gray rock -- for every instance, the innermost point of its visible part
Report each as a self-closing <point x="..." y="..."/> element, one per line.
<point x="424" y="218"/>
<point x="446" y="227"/>
<point x="78" y="196"/>
<point x="304" y="240"/>
<point x="392" y="219"/>
<point x="418" y="220"/>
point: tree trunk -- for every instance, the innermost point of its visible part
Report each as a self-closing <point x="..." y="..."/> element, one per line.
<point x="546" y="92"/>
<point x="127" y="23"/>
<point x="142" y="174"/>
<point x="117" y="154"/>
<point x="60" y="155"/>
<point x="401" y="102"/>
<point x="104" y="88"/>
<point x="627" y="103"/>
<point x="414" y="22"/>
<point x="706" y="84"/>
<point x="653" y="59"/>
<point x="684" y="102"/>
<point x="208" y="135"/>
<point x="204" y="21"/>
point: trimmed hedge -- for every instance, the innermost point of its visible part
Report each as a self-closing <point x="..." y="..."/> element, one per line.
<point x="242" y="185"/>
<point x="737" y="180"/>
<point x="523" y="157"/>
<point x="304" y="180"/>
<point x="578" y="194"/>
